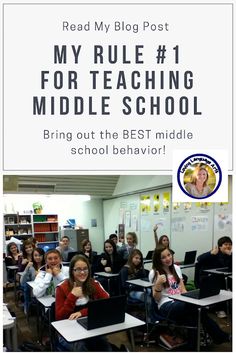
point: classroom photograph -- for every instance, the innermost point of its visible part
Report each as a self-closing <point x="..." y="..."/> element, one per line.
<point x="109" y="263"/>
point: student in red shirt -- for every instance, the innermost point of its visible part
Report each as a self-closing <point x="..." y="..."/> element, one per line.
<point x="72" y="297"/>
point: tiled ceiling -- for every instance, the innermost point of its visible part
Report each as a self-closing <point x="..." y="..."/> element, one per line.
<point x="101" y="186"/>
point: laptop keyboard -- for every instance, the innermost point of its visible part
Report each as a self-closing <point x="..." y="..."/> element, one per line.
<point x="83" y="322"/>
<point x="192" y="294"/>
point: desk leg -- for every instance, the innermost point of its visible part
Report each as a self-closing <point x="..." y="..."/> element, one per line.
<point x="11" y="338"/>
<point x="15" y="284"/>
<point x="146" y="309"/>
<point x="14" y="337"/>
<point x="38" y="320"/>
<point x="50" y="329"/>
<point x="8" y="338"/>
<point x="227" y="303"/>
<point x="198" y="329"/>
<point x="108" y="285"/>
<point x="132" y="340"/>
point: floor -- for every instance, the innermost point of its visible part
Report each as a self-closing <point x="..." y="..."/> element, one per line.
<point x="27" y="332"/>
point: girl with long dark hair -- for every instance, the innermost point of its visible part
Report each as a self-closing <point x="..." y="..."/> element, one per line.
<point x="72" y="297"/>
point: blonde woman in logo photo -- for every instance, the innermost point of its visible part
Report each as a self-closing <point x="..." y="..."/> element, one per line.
<point x="198" y="187"/>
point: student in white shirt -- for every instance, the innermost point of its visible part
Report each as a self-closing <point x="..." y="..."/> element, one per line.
<point x="167" y="279"/>
<point x="50" y="275"/>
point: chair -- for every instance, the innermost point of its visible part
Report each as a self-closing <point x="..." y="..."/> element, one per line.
<point x="158" y="322"/>
<point x="133" y="304"/>
<point x="56" y="346"/>
<point x="6" y="283"/>
<point x="136" y="307"/>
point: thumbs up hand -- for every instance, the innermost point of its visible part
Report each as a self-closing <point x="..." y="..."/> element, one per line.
<point x="77" y="290"/>
<point x="104" y="262"/>
<point x="215" y="250"/>
<point x="160" y="278"/>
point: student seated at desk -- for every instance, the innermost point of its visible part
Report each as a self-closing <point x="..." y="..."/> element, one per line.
<point x="132" y="242"/>
<point x="163" y="240"/>
<point x="134" y="269"/>
<point x="167" y="279"/>
<point x="64" y="247"/>
<point x="27" y="251"/>
<point x="13" y="258"/>
<point x="114" y="237"/>
<point x="87" y="250"/>
<point x="30" y="273"/>
<point x="110" y="260"/>
<point x="220" y="256"/>
<point x="50" y="275"/>
<point x="72" y="297"/>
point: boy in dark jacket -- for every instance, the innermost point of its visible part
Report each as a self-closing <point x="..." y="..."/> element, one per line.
<point x="220" y="256"/>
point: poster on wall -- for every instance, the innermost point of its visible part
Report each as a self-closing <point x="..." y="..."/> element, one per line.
<point x="156" y="203"/>
<point x="178" y="224"/>
<point x="145" y="204"/>
<point x="223" y="223"/>
<point x="187" y="207"/>
<point x="166" y="202"/>
<point x="176" y="207"/>
<point x="204" y="207"/>
<point x="127" y="219"/>
<point x="200" y="223"/>
<point x="135" y="223"/>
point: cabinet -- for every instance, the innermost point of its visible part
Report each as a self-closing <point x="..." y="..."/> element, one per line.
<point x="45" y="227"/>
<point x="76" y="237"/>
<point x="17" y="225"/>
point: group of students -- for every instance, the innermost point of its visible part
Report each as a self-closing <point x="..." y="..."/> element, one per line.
<point x="75" y="285"/>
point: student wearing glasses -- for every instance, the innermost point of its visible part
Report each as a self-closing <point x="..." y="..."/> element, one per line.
<point x="72" y="297"/>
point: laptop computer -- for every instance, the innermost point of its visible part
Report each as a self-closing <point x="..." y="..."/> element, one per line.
<point x="224" y="270"/>
<point x="48" y="245"/>
<point x="149" y="255"/>
<point x="189" y="258"/>
<point x="72" y="254"/>
<point x="209" y="286"/>
<point x="104" y="312"/>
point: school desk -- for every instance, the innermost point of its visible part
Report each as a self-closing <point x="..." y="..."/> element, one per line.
<point x="72" y="331"/>
<point x="201" y="303"/>
<point x="9" y="326"/>
<point x="108" y="276"/>
<point x="144" y="285"/>
<point x="15" y="269"/>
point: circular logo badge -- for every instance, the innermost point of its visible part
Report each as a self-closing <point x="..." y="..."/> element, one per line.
<point x="199" y="176"/>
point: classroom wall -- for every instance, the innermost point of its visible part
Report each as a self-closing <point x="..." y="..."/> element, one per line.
<point x="190" y="226"/>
